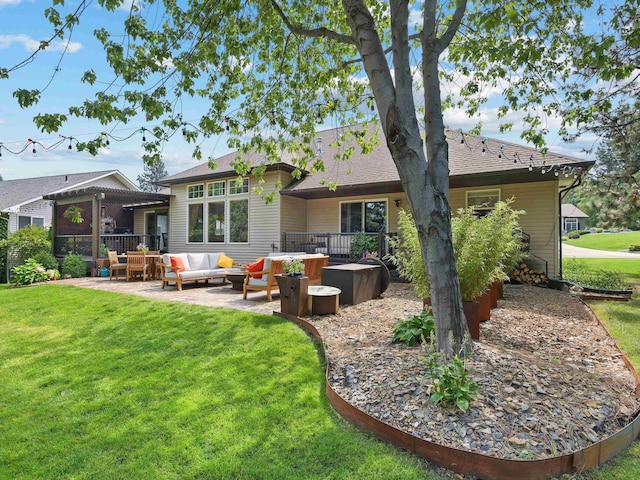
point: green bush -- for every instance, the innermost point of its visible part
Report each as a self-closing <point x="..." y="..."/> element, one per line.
<point x="485" y="249"/>
<point x="451" y="383"/>
<point x="598" y="230"/>
<point x="584" y="232"/>
<point x="74" y="266"/>
<point x="415" y="329"/>
<point x="579" y="273"/>
<point x="634" y="248"/>
<point x="573" y="235"/>
<point x="28" y="241"/>
<point x="29" y="273"/>
<point x="564" y="238"/>
<point x="47" y="260"/>
<point x="361" y="243"/>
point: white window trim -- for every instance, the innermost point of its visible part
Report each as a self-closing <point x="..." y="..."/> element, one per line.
<point x="574" y="222"/>
<point x="482" y="192"/>
<point x="226" y="198"/>
<point x="363" y="200"/>
<point x="206" y="193"/>
<point x="31" y="217"/>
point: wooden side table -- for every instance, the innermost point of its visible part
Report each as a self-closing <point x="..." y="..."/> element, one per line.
<point x="323" y="300"/>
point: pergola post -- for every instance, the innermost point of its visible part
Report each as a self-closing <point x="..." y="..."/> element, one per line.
<point x="96" y="204"/>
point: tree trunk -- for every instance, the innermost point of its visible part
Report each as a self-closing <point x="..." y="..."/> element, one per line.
<point x="426" y="184"/>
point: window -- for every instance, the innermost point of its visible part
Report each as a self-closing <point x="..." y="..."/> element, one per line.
<point x="196" y="232"/>
<point x="216" y="189"/>
<point x="215" y="221"/>
<point x="570" y="224"/>
<point x="483" y="201"/>
<point x="363" y="216"/>
<point x="195" y="191"/>
<point x="239" y="221"/>
<point x="237" y="187"/>
<point x="222" y="218"/>
<point x="24" y="221"/>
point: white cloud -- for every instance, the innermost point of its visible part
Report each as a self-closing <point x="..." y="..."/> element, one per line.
<point x="32" y="45"/>
<point x="9" y="2"/>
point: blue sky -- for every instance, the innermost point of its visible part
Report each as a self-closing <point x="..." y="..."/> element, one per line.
<point x="24" y="25"/>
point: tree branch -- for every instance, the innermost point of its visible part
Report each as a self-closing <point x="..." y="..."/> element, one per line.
<point x="415" y="36"/>
<point x="320" y="32"/>
<point x="444" y="41"/>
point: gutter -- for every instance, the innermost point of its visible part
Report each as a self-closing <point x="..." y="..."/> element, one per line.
<point x="561" y="194"/>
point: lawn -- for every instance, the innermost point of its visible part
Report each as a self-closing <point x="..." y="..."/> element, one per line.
<point x="102" y="385"/>
<point x="607" y="241"/>
<point x="623" y="321"/>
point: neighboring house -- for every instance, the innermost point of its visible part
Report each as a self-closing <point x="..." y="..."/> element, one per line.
<point x="573" y="218"/>
<point x="23" y="201"/>
<point x="211" y="210"/>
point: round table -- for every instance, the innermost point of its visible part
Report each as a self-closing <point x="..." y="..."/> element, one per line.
<point x="323" y="300"/>
<point x="236" y="279"/>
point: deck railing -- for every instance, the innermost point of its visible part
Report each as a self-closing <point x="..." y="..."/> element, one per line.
<point x="339" y="246"/>
<point x="81" y="244"/>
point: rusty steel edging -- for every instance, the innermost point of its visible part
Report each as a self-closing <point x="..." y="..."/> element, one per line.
<point x="482" y="466"/>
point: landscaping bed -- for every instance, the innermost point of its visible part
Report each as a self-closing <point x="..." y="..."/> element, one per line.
<point x="551" y="381"/>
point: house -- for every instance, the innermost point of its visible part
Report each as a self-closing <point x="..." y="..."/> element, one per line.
<point x="573" y="218"/>
<point x="23" y="199"/>
<point x="217" y="210"/>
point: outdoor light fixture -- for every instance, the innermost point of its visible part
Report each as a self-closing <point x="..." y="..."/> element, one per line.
<point x="397" y="202"/>
<point x="319" y="146"/>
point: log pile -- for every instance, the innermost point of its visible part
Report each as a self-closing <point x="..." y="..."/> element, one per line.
<point x="523" y="274"/>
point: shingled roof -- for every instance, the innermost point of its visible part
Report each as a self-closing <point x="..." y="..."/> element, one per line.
<point x="374" y="172"/>
<point x="15" y="193"/>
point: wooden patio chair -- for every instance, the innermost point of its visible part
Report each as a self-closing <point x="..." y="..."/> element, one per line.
<point x="155" y="264"/>
<point x="136" y="263"/>
<point x="115" y="265"/>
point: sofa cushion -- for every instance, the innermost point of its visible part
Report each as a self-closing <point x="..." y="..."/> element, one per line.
<point x="286" y="254"/>
<point x="179" y="262"/>
<point x="224" y="262"/>
<point x="214" y="258"/>
<point x="199" y="261"/>
<point x="257" y="266"/>
<point x="258" y="282"/>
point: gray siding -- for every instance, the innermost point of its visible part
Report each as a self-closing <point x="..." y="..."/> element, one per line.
<point x="39" y="208"/>
<point x="264" y="224"/>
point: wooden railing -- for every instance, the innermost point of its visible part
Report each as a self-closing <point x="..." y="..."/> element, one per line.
<point x="81" y="244"/>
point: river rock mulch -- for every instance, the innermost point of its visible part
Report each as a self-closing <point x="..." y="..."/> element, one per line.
<point x="551" y="380"/>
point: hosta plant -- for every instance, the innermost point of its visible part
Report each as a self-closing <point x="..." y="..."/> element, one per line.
<point x="452" y="385"/>
<point x="415" y="329"/>
<point x="29" y="273"/>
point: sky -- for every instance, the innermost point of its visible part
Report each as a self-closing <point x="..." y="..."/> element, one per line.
<point x="24" y="25"/>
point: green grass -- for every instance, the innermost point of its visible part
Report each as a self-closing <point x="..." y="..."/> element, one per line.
<point x="607" y="241"/>
<point x="102" y="385"/>
<point x="623" y="321"/>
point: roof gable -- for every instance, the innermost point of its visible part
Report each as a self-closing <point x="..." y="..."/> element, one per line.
<point x="15" y="193"/>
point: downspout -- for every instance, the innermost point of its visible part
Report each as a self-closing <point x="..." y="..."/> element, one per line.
<point x="561" y="194"/>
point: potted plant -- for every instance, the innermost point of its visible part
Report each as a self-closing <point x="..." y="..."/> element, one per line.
<point x="142" y="247"/>
<point x="293" y="286"/>
<point x="293" y="267"/>
<point x="73" y="213"/>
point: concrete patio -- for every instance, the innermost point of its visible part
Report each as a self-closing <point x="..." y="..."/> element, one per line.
<point x="215" y="294"/>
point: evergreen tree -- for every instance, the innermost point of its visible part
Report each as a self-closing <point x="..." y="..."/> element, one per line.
<point x="152" y="173"/>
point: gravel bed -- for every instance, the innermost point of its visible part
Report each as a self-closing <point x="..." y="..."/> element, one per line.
<point x="551" y="380"/>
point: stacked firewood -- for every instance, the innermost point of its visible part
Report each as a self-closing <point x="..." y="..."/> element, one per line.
<point x="523" y="274"/>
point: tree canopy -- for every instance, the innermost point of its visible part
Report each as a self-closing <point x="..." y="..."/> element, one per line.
<point x="152" y="172"/>
<point x="267" y="71"/>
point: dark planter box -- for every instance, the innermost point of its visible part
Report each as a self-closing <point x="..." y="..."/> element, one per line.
<point x="357" y="282"/>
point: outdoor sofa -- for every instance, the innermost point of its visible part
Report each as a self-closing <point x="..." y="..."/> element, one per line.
<point x="191" y="267"/>
<point x="313" y="264"/>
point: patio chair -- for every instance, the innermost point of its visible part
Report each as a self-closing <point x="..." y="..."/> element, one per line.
<point x="155" y="264"/>
<point x="136" y="263"/>
<point x="115" y="265"/>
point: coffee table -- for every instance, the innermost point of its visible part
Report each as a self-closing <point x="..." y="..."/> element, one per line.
<point x="236" y="279"/>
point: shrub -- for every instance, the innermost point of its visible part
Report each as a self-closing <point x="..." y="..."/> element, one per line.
<point x="598" y="230"/>
<point x="408" y="255"/>
<point x="451" y="382"/>
<point x="583" y="232"/>
<point x="564" y="238"/>
<point x="361" y="243"/>
<point x="573" y="235"/>
<point x="29" y="241"/>
<point x="29" y="273"/>
<point x="74" y="266"/>
<point x="415" y="329"/>
<point x="634" y="248"/>
<point x="47" y="260"/>
<point x="579" y="273"/>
